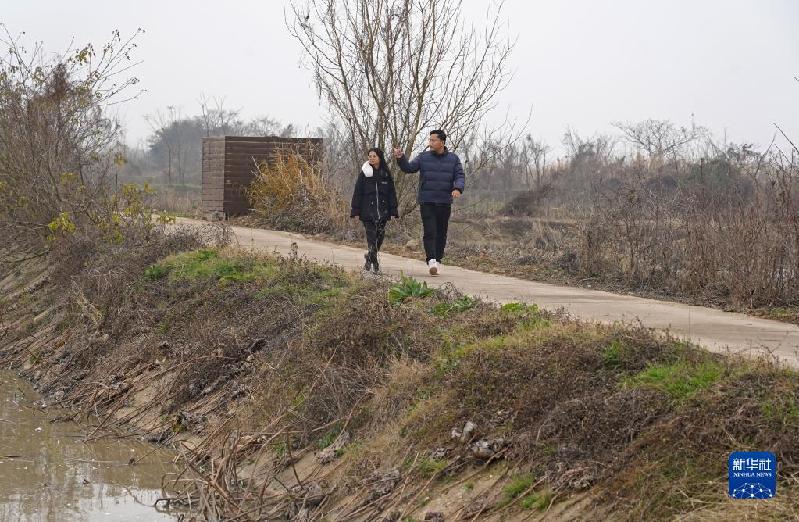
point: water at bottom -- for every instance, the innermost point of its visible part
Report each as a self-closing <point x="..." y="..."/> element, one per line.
<point x="48" y="473"/>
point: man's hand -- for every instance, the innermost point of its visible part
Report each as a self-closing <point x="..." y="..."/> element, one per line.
<point x="398" y="152"/>
<point x="456" y="193"/>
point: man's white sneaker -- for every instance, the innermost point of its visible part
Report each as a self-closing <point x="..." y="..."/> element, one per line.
<point x="433" y="266"/>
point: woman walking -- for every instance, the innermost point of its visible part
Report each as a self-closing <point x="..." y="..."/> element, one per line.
<point x="374" y="201"/>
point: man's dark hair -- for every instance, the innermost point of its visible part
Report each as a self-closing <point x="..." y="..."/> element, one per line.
<point x="440" y="133"/>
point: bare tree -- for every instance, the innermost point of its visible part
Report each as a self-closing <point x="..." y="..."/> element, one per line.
<point x="390" y="69"/>
<point x="165" y="126"/>
<point x="217" y="120"/>
<point x="660" y="138"/>
<point x="534" y="156"/>
<point x="601" y="146"/>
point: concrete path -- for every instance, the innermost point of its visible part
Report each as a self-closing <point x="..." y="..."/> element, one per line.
<point x="714" y="329"/>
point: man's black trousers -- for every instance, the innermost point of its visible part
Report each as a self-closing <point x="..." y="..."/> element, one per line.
<point x="435" y="220"/>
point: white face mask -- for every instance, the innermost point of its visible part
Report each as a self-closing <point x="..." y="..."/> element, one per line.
<point x="367" y="170"/>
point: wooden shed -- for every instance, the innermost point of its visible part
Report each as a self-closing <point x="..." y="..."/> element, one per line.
<point x="230" y="165"/>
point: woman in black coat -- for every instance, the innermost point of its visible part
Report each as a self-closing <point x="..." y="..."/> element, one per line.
<point x="374" y="201"/>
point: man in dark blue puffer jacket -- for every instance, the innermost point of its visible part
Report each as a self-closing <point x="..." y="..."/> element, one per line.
<point x="441" y="179"/>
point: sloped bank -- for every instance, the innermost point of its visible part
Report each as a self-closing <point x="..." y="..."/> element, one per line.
<point x="296" y="390"/>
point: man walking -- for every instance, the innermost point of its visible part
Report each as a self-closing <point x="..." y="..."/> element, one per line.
<point x="441" y="180"/>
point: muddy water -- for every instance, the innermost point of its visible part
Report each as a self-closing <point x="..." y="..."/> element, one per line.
<point x="48" y="473"/>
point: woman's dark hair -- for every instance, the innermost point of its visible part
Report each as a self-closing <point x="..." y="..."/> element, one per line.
<point x="383" y="164"/>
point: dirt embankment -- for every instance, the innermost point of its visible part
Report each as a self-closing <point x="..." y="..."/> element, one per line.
<point x="295" y="390"/>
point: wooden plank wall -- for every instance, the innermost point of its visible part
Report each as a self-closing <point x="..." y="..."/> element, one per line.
<point x="230" y="164"/>
<point x="213" y="169"/>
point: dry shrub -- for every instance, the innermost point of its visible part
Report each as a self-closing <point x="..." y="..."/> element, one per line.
<point x="102" y="295"/>
<point x="363" y="359"/>
<point x="292" y="194"/>
<point x="733" y="242"/>
<point x="553" y="392"/>
<point x="527" y="374"/>
<point x="565" y="399"/>
<point x="327" y="373"/>
<point x="721" y="228"/>
<point x="405" y="377"/>
<point x="218" y="325"/>
<point x="686" y="450"/>
<point x="58" y="145"/>
<point x="528" y="203"/>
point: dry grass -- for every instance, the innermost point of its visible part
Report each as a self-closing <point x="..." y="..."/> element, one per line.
<point x="291" y="194"/>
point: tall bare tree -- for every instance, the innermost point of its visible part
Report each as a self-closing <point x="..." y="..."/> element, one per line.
<point x="390" y="69"/>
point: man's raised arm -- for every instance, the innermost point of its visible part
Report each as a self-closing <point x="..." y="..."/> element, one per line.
<point x="406" y="166"/>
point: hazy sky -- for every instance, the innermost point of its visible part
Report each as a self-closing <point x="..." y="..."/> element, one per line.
<point x="579" y="64"/>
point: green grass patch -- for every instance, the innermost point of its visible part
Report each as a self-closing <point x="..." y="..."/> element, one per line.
<point x="428" y="466"/>
<point x="457" y="306"/>
<point x="307" y="294"/>
<point x="408" y="287"/>
<point x="156" y="272"/>
<point x="528" y="316"/>
<point x="450" y="356"/>
<point x="530" y="330"/>
<point x="515" y="308"/>
<point x="788" y="314"/>
<point x="329" y="438"/>
<point x="539" y="500"/>
<point x="612" y="354"/>
<point x="453" y="351"/>
<point x="163" y="326"/>
<point x="784" y="410"/>
<point x="280" y="449"/>
<point x="516" y="487"/>
<point x="207" y="263"/>
<point x="681" y="379"/>
<point x="305" y="282"/>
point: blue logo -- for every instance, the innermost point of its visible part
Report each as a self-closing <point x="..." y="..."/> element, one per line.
<point x="752" y="474"/>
